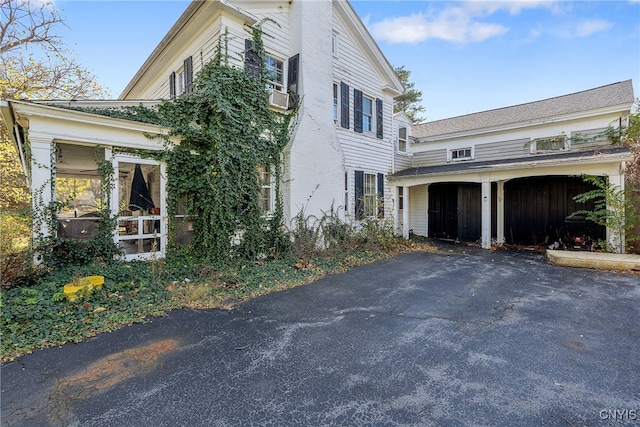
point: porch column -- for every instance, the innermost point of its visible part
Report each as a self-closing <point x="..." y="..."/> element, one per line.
<point x="426" y="203"/>
<point x="396" y="210"/>
<point x="405" y="212"/>
<point x="500" y="214"/>
<point x="616" y="236"/>
<point x="42" y="187"/>
<point x="486" y="215"/>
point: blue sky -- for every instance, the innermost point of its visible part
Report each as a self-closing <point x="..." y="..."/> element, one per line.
<point x="464" y="56"/>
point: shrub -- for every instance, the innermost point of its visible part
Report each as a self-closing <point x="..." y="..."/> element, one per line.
<point x="15" y="261"/>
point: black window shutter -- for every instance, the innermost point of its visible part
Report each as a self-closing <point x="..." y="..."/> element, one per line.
<point x="380" y="195"/>
<point x="357" y="110"/>
<point x="172" y="85"/>
<point x="188" y="75"/>
<point x="252" y="61"/>
<point x="292" y="79"/>
<point x="344" y="105"/>
<point x="379" y="119"/>
<point x="359" y="202"/>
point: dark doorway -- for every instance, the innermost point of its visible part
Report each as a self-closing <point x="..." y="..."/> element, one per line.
<point x="537" y="210"/>
<point x="455" y="211"/>
<point x="443" y="211"/>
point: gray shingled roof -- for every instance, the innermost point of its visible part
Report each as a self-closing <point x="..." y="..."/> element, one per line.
<point x="603" y="96"/>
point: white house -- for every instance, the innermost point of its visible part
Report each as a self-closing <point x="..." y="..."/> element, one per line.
<point x="320" y="53"/>
<point x="510" y="174"/>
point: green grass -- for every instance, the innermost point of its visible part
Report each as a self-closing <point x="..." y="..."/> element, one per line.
<point x="36" y="314"/>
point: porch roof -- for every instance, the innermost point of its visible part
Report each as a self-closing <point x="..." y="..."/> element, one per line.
<point x="613" y="154"/>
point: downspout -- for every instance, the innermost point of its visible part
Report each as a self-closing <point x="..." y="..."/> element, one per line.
<point x="16" y="131"/>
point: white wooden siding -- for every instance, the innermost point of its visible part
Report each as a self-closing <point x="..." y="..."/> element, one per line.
<point x="418" y="210"/>
<point x="363" y="151"/>
<point x="502" y="150"/>
<point x="430" y="158"/>
<point x="202" y="45"/>
<point x="512" y="144"/>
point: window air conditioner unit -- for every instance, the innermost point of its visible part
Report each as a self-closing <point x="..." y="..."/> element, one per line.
<point x="279" y="99"/>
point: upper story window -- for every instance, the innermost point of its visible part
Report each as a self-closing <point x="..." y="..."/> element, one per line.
<point x="551" y="144"/>
<point x="457" y="154"/>
<point x="367" y="114"/>
<point x="364" y="114"/>
<point x="275" y="72"/>
<point x="334" y="44"/>
<point x="402" y="139"/>
<point x="181" y="81"/>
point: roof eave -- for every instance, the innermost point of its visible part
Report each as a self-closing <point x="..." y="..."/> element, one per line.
<point x="393" y="85"/>
<point x="32" y="109"/>
<point x="181" y="23"/>
<point x="601" y="158"/>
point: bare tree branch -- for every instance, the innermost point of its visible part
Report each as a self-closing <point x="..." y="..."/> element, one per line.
<point x="26" y="22"/>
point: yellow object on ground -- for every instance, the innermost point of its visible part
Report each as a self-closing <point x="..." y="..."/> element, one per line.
<point x="83" y="286"/>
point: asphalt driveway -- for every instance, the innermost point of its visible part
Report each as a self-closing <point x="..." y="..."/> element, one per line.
<point x="462" y="337"/>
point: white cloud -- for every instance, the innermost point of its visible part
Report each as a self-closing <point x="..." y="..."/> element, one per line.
<point x="460" y="23"/>
<point x="586" y="28"/>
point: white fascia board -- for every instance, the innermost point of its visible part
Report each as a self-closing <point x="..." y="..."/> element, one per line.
<point x="29" y="109"/>
<point x="57" y="124"/>
<point x="6" y="112"/>
<point x="187" y="22"/>
<point x="609" y="164"/>
<point x="620" y="108"/>
<point x="100" y="103"/>
<point x="380" y="62"/>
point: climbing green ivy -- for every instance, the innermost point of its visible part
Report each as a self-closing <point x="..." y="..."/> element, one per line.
<point x="227" y="132"/>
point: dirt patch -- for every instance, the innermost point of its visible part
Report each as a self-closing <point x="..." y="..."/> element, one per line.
<point x="102" y="375"/>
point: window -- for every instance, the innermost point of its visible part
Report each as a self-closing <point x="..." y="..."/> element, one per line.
<point x="363" y="118"/>
<point x="402" y="139"/>
<point x="551" y="144"/>
<point x="181" y="81"/>
<point x="335" y="103"/>
<point x="369" y="195"/>
<point x="266" y="189"/>
<point x="457" y="154"/>
<point x="400" y="198"/>
<point x="334" y="45"/>
<point x="78" y="188"/>
<point x="275" y="73"/>
<point x="367" y="114"/>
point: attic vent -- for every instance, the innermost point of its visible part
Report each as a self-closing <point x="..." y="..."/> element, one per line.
<point x="279" y="100"/>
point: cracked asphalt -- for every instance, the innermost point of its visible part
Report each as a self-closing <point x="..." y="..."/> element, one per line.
<point x="461" y="337"/>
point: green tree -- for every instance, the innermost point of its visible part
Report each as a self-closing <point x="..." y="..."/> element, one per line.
<point x="409" y="101"/>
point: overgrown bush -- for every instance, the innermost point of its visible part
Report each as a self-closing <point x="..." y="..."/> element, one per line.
<point x="613" y="208"/>
<point x="15" y="259"/>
